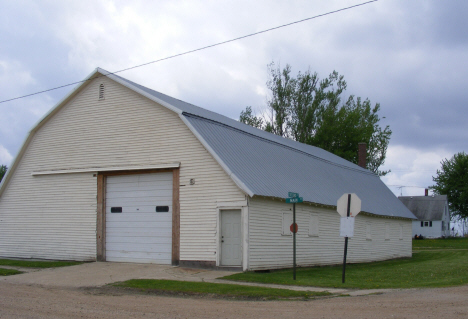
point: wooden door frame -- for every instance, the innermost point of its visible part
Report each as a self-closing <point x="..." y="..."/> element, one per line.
<point x="101" y="210"/>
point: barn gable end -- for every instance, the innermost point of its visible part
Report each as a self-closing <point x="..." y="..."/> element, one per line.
<point x="51" y="214"/>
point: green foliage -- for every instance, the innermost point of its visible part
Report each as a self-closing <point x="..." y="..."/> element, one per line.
<point x="433" y="268"/>
<point x="310" y="110"/>
<point x="452" y="180"/>
<point x="228" y="290"/>
<point x="37" y="263"/>
<point x="249" y="118"/>
<point x="3" y="170"/>
<point x="9" y="272"/>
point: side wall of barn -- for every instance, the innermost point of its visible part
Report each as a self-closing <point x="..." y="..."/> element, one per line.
<point x="318" y="238"/>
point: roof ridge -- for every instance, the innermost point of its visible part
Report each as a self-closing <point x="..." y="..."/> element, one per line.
<point x="367" y="172"/>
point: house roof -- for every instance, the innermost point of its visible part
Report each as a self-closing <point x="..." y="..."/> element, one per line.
<point x="426" y="207"/>
<point x="264" y="164"/>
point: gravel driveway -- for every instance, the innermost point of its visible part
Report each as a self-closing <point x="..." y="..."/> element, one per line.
<point x="50" y="294"/>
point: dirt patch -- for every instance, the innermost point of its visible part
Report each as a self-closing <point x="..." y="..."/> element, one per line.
<point x="33" y="301"/>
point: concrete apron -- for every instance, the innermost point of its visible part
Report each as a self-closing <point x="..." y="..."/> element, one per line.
<point x="97" y="274"/>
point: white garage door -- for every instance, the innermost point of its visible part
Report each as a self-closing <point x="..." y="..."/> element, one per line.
<point x="139" y="218"/>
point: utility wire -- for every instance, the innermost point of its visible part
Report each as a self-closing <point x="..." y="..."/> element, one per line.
<point x="199" y="49"/>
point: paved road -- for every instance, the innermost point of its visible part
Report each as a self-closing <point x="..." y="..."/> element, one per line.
<point x="49" y="294"/>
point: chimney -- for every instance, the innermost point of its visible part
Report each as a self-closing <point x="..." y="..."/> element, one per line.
<point x="362" y="155"/>
<point x="426" y="192"/>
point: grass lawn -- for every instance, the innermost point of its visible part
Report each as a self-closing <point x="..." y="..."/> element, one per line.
<point x="8" y="272"/>
<point x="220" y="290"/>
<point x="447" y="243"/>
<point x="37" y="264"/>
<point x="441" y="263"/>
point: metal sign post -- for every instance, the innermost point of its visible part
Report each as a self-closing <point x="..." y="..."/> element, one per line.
<point x="294" y="241"/>
<point x="348" y="206"/>
<point x="293" y="199"/>
<point x="346" y="243"/>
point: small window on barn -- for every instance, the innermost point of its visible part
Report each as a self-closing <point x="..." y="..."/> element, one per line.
<point x="287" y="221"/>
<point x="426" y="224"/>
<point x="101" y="92"/>
<point x="313" y="225"/>
<point x="387" y="231"/>
<point x="368" y="232"/>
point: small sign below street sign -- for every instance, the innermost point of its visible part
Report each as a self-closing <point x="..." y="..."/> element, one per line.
<point x="294" y="200"/>
<point x="347" y="227"/>
<point x="293" y="195"/>
<point x="342" y="205"/>
<point x="293" y="228"/>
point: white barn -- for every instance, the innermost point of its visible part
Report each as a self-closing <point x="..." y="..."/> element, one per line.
<point x="119" y="172"/>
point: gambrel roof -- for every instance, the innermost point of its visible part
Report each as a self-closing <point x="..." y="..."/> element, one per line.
<point x="426" y="207"/>
<point x="264" y="164"/>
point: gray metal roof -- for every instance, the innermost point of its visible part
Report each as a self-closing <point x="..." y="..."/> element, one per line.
<point x="264" y="164"/>
<point x="426" y="207"/>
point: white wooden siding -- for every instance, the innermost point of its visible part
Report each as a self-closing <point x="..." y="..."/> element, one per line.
<point x="269" y="249"/>
<point x="35" y="225"/>
<point x="124" y="129"/>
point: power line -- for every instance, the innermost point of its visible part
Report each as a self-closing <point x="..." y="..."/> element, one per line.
<point x="199" y="49"/>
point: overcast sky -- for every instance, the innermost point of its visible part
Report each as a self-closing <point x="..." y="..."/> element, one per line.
<point x="409" y="56"/>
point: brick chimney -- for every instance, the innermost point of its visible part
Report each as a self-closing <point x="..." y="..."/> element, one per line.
<point x="426" y="192"/>
<point x="362" y="153"/>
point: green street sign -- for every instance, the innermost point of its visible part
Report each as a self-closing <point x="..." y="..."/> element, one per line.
<point x="294" y="200"/>
<point x="293" y="195"/>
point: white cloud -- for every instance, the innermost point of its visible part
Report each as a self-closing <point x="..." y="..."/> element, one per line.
<point x="5" y="156"/>
<point x="412" y="169"/>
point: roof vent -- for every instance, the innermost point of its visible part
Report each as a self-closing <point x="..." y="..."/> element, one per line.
<point x="101" y="91"/>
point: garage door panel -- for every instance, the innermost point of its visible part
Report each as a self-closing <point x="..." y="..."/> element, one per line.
<point x="135" y="185"/>
<point x="130" y="247"/>
<point x="163" y="218"/>
<point x="144" y="258"/>
<point x="141" y="194"/>
<point x="145" y="209"/>
<point x="150" y="239"/>
<point x="137" y="227"/>
<point x="136" y="230"/>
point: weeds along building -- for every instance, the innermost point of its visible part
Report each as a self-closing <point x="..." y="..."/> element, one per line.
<point x="119" y="172"/>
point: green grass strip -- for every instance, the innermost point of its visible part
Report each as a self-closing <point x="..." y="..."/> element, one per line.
<point x="225" y="290"/>
<point x="439" y="243"/>
<point x="436" y="268"/>
<point x="9" y="272"/>
<point x="37" y="264"/>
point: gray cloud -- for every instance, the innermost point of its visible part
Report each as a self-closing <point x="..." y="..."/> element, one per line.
<point x="410" y="56"/>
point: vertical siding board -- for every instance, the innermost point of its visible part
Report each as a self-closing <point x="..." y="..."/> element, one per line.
<point x="124" y="129"/>
<point x="269" y="249"/>
<point x="175" y="217"/>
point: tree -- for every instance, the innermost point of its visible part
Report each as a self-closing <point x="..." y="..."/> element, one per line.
<point x="3" y="170"/>
<point x="452" y="180"/>
<point x="249" y="118"/>
<point x="309" y="110"/>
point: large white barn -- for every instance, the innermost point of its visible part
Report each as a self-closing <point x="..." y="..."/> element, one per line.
<point x="119" y="172"/>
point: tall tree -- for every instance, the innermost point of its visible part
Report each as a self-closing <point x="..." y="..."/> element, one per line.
<point x="311" y="111"/>
<point x="3" y="169"/>
<point x="452" y="180"/>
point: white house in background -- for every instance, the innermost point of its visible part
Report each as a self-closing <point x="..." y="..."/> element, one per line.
<point x="119" y="172"/>
<point x="432" y="213"/>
